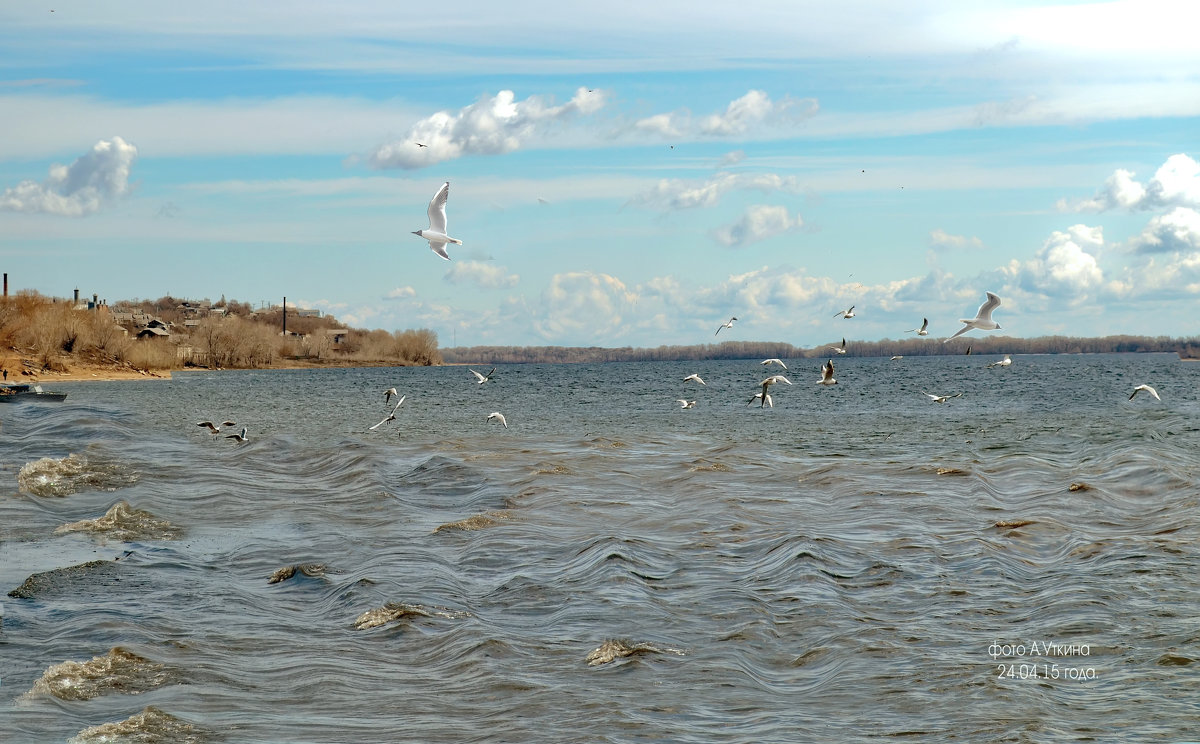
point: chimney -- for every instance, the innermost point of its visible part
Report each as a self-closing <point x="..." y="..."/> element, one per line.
<point x="77" y="295"/>
<point x="6" y="284"/>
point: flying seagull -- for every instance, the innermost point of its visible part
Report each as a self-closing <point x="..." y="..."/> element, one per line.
<point x="768" y="362"/>
<point x="827" y="374"/>
<point x="390" y="417"/>
<point x="897" y="357"/>
<point x="696" y="378"/>
<point x="923" y="330"/>
<point x="766" y="399"/>
<point x="387" y="395"/>
<point x="1005" y="362"/>
<point x="766" y="384"/>
<point x="846" y="314"/>
<point x="982" y="320"/>
<point x="1147" y="388"/>
<point x="686" y="403"/>
<point x="418" y="144"/>
<point x="214" y="428"/>
<point x="240" y="437"/>
<point x="480" y="379"/>
<point x="498" y="416"/>
<point x="839" y="349"/>
<point x="436" y="234"/>
<point x="940" y="398"/>
<point x="725" y="325"/>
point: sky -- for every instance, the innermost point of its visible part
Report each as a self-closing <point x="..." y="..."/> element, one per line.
<point x="627" y="174"/>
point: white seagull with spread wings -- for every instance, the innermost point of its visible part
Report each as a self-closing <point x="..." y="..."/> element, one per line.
<point x="436" y="233"/>
<point x="983" y="319"/>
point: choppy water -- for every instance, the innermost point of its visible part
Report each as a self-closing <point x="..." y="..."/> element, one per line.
<point x="611" y="568"/>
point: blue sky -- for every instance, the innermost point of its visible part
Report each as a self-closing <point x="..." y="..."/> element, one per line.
<point x="629" y="174"/>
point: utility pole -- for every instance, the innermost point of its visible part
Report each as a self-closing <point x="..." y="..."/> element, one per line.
<point x="285" y="315"/>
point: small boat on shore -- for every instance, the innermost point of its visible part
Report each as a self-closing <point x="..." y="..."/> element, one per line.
<point x="14" y="393"/>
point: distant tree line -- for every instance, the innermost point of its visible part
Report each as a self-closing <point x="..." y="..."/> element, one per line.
<point x="769" y="349"/>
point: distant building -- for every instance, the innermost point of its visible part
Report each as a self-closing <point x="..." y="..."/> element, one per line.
<point x="154" y="332"/>
<point x="337" y="335"/>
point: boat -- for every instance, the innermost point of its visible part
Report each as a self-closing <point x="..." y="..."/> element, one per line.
<point x="14" y="393"/>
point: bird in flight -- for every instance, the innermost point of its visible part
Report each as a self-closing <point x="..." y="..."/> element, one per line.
<point x="827" y="374"/>
<point x="839" y="349"/>
<point x="767" y="383"/>
<point x="769" y="362"/>
<point x="982" y="320"/>
<point x="1005" y="362"/>
<point x="390" y="417"/>
<point x="436" y="233"/>
<point x="480" y="379"/>
<point x="418" y="144"/>
<point x="1147" y="388"/>
<point x="695" y="377"/>
<point x="725" y="325"/>
<point x="686" y="403"/>
<point x="214" y="428"/>
<point x="388" y="395"/>
<point x="239" y="437"/>
<point x="847" y="314"/>
<point x="940" y="398"/>
<point x="498" y="416"/>
<point x="766" y="399"/>
<point x="923" y="330"/>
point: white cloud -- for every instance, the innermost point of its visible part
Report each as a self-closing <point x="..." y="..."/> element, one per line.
<point x="674" y="193"/>
<point x="742" y="116"/>
<point x="732" y="158"/>
<point x="941" y="240"/>
<point x="1176" y="183"/>
<point x="490" y="126"/>
<point x="758" y="223"/>
<point x="93" y="181"/>
<point x="1176" y="231"/>
<point x="481" y="274"/>
<point x="585" y="305"/>
<point x="1065" y="267"/>
<point x="401" y="293"/>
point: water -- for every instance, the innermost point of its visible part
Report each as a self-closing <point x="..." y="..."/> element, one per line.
<point x="611" y="568"/>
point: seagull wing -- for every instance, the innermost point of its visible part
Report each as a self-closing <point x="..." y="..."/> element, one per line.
<point x="985" y="310"/>
<point x="478" y="376"/>
<point x="439" y="248"/>
<point x="960" y="331"/>
<point x="437" y="210"/>
<point x="209" y="425"/>
<point x="390" y="417"/>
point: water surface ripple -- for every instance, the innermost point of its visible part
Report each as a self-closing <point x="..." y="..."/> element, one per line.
<point x="844" y="566"/>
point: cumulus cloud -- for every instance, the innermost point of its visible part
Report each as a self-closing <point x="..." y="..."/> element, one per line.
<point x="585" y="304"/>
<point x="671" y="194"/>
<point x="941" y="240"/>
<point x="1175" y="183"/>
<point x="401" y="293"/>
<point x="758" y="223"/>
<point x="740" y="117"/>
<point x="481" y="274"/>
<point x="490" y="126"/>
<point x="1176" y="231"/>
<point x="93" y="181"/>
<point x="1065" y="266"/>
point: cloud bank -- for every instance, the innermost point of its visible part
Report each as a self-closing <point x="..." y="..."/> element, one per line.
<point x="92" y="182"/>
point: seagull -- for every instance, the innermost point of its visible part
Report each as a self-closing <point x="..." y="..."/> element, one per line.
<point x="846" y="314"/>
<point x="387" y="395"/>
<point x="480" y="379"/>
<point x="827" y="374"/>
<point x="696" y="378"/>
<point x="765" y="399"/>
<point x="839" y="349"/>
<point x="418" y="144"/>
<point x="498" y="416"/>
<point x="240" y="437"/>
<point x="923" y="330"/>
<point x="982" y="320"/>
<point x="898" y="356"/>
<point x="725" y="325"/>
<point x="215" y="429"/>
<point x="940" y="398"/>
<point x="1147" y="388"/>
<point x="766" y="384"/>
<point x="390" y="417"/>
<point x="1005" y="362"/>
<point x="686" y="403"/>
<point x="436" y="234"/>
<point x="768" y="362"/>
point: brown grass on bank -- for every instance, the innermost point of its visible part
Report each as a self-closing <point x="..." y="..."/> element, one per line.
<point x="38" y="334"/>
